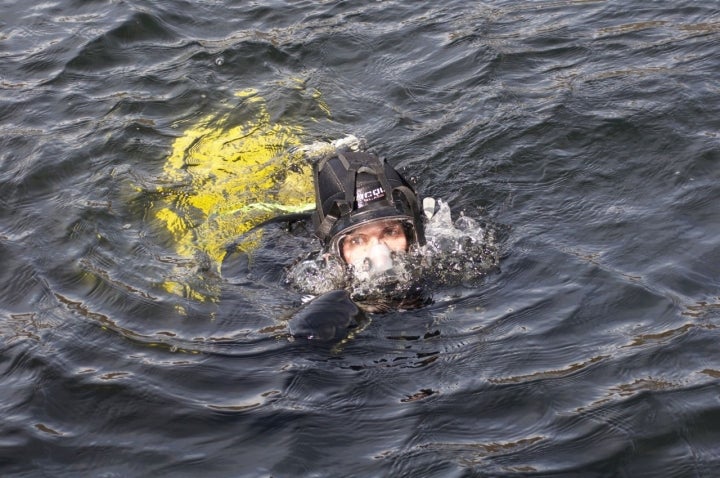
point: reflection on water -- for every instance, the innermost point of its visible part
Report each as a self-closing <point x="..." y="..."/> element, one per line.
<point x="589" y="129"/>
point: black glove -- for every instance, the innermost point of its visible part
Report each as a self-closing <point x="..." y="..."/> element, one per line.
<point x="327" y="317"/>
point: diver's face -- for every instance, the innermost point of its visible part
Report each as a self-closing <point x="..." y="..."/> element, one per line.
<point x="366" y="241"/>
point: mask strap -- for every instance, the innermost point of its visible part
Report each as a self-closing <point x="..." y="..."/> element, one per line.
<point x="324" y="223"/>
<point x="412" y="201"/>
<point x="328" y="221"/>
<point x="348" y="185"/>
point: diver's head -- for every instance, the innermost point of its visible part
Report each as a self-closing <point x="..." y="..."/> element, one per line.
<point x="365" y="212"/>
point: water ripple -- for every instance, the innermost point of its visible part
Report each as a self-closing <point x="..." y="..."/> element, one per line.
<point x="588" y="128"/>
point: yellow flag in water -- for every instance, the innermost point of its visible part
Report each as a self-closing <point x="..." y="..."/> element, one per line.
<point x="222" y="179"/>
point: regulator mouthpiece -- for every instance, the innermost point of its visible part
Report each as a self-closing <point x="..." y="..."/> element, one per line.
<point x="379" y="259"/>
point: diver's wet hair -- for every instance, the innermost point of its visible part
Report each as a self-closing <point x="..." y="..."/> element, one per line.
<point x="354" y="188"/>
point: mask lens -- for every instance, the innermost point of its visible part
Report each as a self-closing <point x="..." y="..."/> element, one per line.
<point x="395" y="233"/>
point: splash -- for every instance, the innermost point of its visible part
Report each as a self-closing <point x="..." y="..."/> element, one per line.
<point x="463" y="251"/>
<point x="457" y="252"/>
<point x="223" y="178"/>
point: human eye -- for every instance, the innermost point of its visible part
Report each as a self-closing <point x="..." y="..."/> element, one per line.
<point x="392" y="231"/>
<point x="356" y="240"/>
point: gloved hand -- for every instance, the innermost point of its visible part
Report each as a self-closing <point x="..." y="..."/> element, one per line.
<point x="327" y="317"/>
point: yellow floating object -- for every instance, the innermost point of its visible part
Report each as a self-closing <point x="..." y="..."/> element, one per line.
<point x="221" y="179"/>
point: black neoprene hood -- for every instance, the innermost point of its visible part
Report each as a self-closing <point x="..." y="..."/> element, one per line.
<point x="353" y="188"/>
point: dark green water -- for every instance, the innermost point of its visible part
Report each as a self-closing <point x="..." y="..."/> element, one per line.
<point x="590" y="129"/>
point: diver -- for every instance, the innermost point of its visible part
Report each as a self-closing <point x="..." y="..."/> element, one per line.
<point x="370" y="223"/>
<point x="380" y="247"/>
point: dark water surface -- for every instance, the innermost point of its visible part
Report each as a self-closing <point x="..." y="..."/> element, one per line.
<point x="591" y="129"/>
